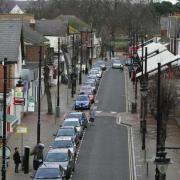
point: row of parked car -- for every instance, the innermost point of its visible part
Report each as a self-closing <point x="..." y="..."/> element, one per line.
<point x="59" y="163"/>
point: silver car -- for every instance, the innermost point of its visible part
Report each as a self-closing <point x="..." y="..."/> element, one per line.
<point x="63" y="157"/>
<point x="117" y="64"/>
<point x="64" y="143"/>
<point x="49" y="172"/>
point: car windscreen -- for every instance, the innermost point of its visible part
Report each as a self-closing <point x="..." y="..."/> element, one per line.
<point x="71" y="123"/>
<point x="56" y="157"/>
<point x="65" y="132"/>
<point x="62" y="144"/>
<point x="48" y="173"/>
<point x="82" y="98"/>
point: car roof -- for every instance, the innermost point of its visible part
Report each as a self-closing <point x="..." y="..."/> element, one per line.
<point x="76" y="112"/>
<point x="58" y="150"/>
<point x="71" y="119"/>
<point x="84" y="95"/>
<point x="66" y="127"/>
<point x="63" y="138"/>
<point x="49" y="165"/>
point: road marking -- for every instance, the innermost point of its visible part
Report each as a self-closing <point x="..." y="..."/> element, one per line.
<point x="112" y="112"/>
<point x="98" y="111"/>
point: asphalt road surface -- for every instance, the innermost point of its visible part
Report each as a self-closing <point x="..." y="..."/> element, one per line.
<point x="104" y="149"/>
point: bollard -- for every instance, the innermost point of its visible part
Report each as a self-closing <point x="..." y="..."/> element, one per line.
<point x="26" y="159"/>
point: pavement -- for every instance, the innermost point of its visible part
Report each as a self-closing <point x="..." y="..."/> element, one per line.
<point x="49" y="125"/>
<point x="143" y="159"/>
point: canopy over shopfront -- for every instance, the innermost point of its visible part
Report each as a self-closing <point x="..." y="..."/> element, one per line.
<point x="164" y="58"/>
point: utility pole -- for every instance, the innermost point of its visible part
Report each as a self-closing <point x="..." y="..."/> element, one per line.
<point x="58" y="97"/>
<point x="80" y="70"/>
<point x="39" y="99"/>
<point x="4" y="122"/>
<point x="91" y="49"/>
<point x="72" y="73"/>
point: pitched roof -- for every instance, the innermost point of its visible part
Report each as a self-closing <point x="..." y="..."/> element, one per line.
<point x="74" y="21"/>
<point x="31" y="36"/>
<point x="51" y="27"/>
<point x="10" y="34"/>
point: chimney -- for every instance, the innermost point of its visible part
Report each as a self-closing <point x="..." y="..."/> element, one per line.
<point x="32" y="24"/>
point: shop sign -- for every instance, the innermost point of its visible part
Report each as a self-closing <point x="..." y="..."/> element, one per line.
<point x="31" y="104"/>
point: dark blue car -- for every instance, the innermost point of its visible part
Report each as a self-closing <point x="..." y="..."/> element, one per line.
<point x="82" y="102"/>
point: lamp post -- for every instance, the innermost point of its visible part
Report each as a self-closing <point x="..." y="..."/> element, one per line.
<point x="144" y="92"/>
<point x="58" y="97"/>
<point x="39" y="99"/>
<point x="80" y="70"/>
<point x="4" y="122"/>
<point x="161" y="161"/>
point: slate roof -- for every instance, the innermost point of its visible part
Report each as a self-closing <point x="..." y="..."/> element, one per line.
<point x="51" y="27"/>
<point x="75" y="22"/>
<point x="33" y="37"/>
<point x="10" y="34"/>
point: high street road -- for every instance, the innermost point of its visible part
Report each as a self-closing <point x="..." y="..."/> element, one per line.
<point x="104" y="150"/>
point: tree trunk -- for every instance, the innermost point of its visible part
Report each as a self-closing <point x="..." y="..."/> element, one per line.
<point x="47" y="89"/>
<point x="67" y="67"/>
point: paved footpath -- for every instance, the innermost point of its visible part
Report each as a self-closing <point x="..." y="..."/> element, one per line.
<point x="49" y="125"/>
<point x="144" y="166"/>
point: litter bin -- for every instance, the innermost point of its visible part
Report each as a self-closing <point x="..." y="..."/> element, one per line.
<point x="26" y="159"/>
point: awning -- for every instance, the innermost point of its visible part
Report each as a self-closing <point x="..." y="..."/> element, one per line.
<point x="164" y="58"/>
<point x="152" y="47"/>
<point x="9" y="118"/>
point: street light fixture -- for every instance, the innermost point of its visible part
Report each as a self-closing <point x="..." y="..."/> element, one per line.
<point x="58" y="97"/>
<point x="144" y="92"/>
<point x="161" y="165"/>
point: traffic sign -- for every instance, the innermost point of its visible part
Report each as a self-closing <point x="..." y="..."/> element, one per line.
<point x="19" y="101"/>
<point x="21" y="129"/>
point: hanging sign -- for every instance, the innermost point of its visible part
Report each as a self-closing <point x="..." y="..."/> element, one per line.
<point x="31" y="104"/>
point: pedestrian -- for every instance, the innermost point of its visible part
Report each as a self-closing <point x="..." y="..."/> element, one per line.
<point x="17" y="159"/>
<point x="92" y="114"/>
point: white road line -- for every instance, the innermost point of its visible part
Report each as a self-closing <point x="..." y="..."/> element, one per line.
<point x="98" y="111"/>
<point x="113" y="112"/>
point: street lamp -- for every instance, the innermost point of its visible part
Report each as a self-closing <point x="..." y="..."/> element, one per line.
<point x="80" y="70"/>
<point x="58" y="104"/>
<point x="4" y="122"/>
<point x="144" y="92"/>
<point x="39" y="99"/>
<point x="162" y="164"/>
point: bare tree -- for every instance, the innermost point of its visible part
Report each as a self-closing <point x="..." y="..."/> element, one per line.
<point x="47" y="89"/>
<point x="167" y="103"/>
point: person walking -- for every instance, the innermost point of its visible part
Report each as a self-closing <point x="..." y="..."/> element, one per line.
<point x="17" y="159"/>
<point x="92" y="115"/>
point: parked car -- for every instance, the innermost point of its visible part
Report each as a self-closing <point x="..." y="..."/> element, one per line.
<point x="76" y="123"/>
<point x="82" y="102"/>
<point x="68" y="131"/>
<point x="96" y="72"/>
<point x="117" y="64"/>
<point x="91" y="84"/>
<point x="64" y="143"/>
<point x="63" y="157"/>
<point x="82" y="117"/>
<point x="100" y="63"/>
<point x="50" y="171"/>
